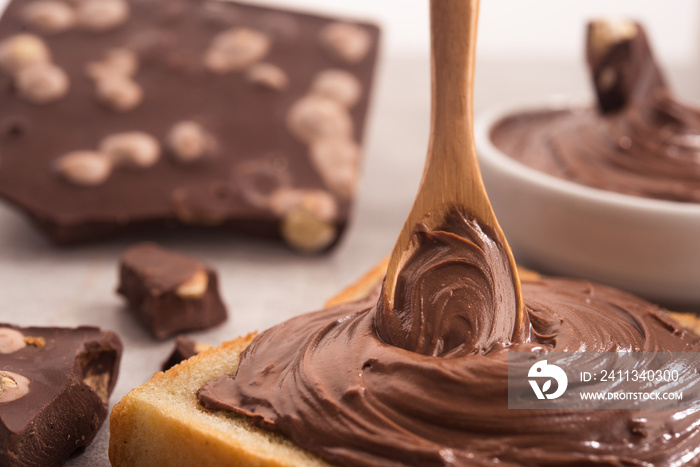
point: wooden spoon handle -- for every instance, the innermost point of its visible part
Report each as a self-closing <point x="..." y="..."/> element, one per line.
<point x="453" y="25"/>
<point x="451" y="174"/>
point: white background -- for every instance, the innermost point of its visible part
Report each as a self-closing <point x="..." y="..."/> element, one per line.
<point x="537" y="28"/>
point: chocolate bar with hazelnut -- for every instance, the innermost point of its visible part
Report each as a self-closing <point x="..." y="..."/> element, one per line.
<point x="122" y="115"/>
<point x="54" y="388"/>
<point x="623" y="67"/>
<point x="169" y="292"/>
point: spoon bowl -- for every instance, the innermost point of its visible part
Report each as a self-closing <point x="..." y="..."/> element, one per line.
<point x="451" y="177"/>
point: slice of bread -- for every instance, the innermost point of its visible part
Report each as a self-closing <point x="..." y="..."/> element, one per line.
<point x="161" y="423"/>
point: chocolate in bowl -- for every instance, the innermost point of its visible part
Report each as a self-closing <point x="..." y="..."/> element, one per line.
<point x="607" y="191"/>
<point x="644" y="245"/>
<point x="651" y="151"/>
<point x="639" y="139"/>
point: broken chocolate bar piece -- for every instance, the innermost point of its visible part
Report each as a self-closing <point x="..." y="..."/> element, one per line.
<point x="199" y="113"/>
<point x="622" y="64"/>
<point x="184" y="349"/>
<point x="169" y="292"/>
<point x="54" y="388"/>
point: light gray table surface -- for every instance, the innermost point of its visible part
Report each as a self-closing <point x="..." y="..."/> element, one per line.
<point x="262" y="283"/>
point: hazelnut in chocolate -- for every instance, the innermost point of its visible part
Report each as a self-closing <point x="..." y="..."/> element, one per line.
<point x="54" y="390"/>
<point x="169" y="292"/>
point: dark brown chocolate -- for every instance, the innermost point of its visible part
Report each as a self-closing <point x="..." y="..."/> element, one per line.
<point x="183" y="112"/>
<point x="54" y="388"/>
<point x="184" y="349"/>
<point x="169" y="292"/>
<point x="622" y="65"/>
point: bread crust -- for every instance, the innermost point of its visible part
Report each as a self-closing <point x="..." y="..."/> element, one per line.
<point x="161" y="423"/>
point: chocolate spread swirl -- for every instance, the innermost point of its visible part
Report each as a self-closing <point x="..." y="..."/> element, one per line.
<point x="426" y="384"/>
<point x="639" y="140"/>
<point x="651" y="151"/>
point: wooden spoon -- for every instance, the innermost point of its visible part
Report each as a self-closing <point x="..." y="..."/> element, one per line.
<point x="451" y="177"/>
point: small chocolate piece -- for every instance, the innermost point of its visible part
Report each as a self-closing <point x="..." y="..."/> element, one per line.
<point x="184" y="349"/>
<point x="622" y="64"/>
<point x="169" y="292"/>
<point x="251" y="83"/>
<point x="53" y="397"/>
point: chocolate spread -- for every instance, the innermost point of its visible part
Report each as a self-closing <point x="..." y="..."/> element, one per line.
<point x="651" y="151"/>
<point x="426" y="383"/>
<point x="639" y="140"/>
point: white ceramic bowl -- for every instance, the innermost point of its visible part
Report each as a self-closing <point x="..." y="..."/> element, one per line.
<point x="649" y="247"/>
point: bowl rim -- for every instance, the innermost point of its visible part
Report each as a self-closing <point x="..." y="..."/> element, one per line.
<point x="486" y="149"/>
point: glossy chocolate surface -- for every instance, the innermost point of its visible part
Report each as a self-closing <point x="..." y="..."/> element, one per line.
<point x="333" y="383"/>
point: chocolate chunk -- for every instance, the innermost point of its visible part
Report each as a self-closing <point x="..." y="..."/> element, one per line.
<point x="622" y="64"/>
<point x="184" y="349"/>
<point x="219" y="86"/>
<point x="169" y="292"/>
<point x="53" y="397"/>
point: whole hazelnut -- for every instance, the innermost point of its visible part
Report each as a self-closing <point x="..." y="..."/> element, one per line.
<point x="348" y="42"/>
<point x="337" y="161"/>
<point x="16" y="52"/>
<point x="123" y="62"/>
<point x="102" y="15"/>
<point x="11" y="340"/>
<point x="119" y="93"/>
<point x="268" y="75"/>
<point x="84" y="168"/>
<point x="603" y="34"/>
<point x="188" y="141"/>
<point x="304" y="231"/>
<point x="315" y="117"/>
<point x="235" y="49"/>
<point x="42" y="83"/>
<point x="195" y="287"/>
<point x="338" y="85"/>
<point x="12" y="386"/>
<point x="319" y="202"/>
<point x="131" y="149"/>
<point x="49" y="16"/>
